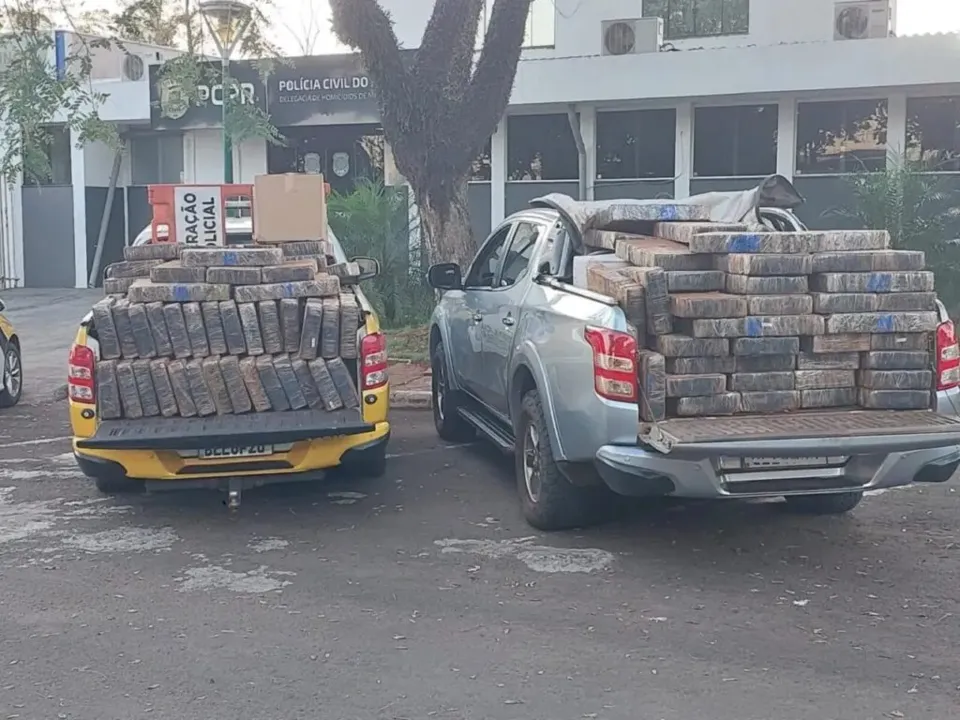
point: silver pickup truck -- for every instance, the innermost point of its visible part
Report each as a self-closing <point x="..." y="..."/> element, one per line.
<point x="522" y="356"/>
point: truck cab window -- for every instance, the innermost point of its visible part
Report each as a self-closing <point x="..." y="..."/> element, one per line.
<point x="516" y="262"/>
<point x="484" y="270"/>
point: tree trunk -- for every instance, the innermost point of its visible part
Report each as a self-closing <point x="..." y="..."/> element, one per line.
<point x="445" y="225"/>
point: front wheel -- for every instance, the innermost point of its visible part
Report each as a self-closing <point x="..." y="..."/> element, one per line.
<point x="548" y="500"/>
<point x="12" y="387"/>
<point x="835" y="504"/>
<point x="450" y="425"/>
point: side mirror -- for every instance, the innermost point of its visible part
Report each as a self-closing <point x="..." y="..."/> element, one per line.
<point x="445" y="276"/>
<point x="369" y="267"/>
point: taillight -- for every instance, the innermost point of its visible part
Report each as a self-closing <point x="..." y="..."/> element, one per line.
<point x="948" y="357"/>
<point x="614" y="364"/>
<point x="373" y="361"/>
<point x="80" y="374"/>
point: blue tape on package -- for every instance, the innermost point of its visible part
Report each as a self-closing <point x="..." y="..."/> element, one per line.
<point x="669" y="212"/>
<point x="879" y="282"/>
<point x="747" y="243"/>
<point x="181" y="293"/>
<point x="753" y="327"/>
<point x="885" y="323"/>
<point x="230" y="259"/>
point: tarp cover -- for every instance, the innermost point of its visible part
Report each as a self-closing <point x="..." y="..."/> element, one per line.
<point x="637" y="216"/>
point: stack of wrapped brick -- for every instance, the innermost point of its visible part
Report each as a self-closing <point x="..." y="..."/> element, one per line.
<point x="198" y="332"/>
<point x="735" y="321"/>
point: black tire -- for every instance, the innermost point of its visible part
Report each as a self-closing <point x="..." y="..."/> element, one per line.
<point x="13" y="363"/>
<point x="552" y="503"/>
<point x="834" y="504"/>
<point x="370" y="464"/>
<point x="450" y="425"/>
<point x="118" y="486"/>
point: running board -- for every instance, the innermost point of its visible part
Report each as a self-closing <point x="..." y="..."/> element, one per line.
<point x="488" y="428"/>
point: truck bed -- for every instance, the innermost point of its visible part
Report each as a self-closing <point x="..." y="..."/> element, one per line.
<point x="817" y="432"/>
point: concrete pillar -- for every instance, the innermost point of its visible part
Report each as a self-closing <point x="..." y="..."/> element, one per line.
<point x="787" y="138"/>
<point x="683" y="159"/>
<point x="896" y="126"/>
<point x="498" y="174"/>
<point x="78" y="180"/>
<point x="588" y="131"/>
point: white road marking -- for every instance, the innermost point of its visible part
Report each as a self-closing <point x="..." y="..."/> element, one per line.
<point x="539" y="558"/>
<point x="40" y="441"/>
<point x="215" y="577"/>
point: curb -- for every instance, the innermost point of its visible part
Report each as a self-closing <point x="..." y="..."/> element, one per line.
<point x="411" y="400"/>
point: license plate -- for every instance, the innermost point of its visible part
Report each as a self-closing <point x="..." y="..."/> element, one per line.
<point x="770" y="462"/>
<point x="234" y="452"/>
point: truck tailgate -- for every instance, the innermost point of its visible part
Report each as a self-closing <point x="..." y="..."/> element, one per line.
<point x="224" y="430"/>
<point x="847" y="432"/>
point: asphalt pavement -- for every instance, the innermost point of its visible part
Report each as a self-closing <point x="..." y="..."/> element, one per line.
<point x="425" y="595"/>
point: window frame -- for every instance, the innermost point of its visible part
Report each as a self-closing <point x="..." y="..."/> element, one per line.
<point x="520" y="222"/>
<point x="648" y="10"/>
<point x="527" y="30"/>
<point x="638" y="113"/>
<point x="511" y="147"/>
<point x="914" y="151"/>
<point x="845" y="104"/>
<point x="483" y="255"/>
<point x="774" y="107"/>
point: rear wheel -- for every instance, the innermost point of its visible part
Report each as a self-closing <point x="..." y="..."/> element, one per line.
<point x="12" y="377"/>
<point x="450" y="425"/>
<point x="548" y="500"/>
<point x="834" y="504"/>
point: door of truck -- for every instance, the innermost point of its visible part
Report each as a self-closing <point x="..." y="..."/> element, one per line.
<point x="466" y="316"/>
<point x="502" y="312"/>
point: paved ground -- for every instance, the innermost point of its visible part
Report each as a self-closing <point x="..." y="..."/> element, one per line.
<point x="424" y="595"/>
<point x="46" y="320"/>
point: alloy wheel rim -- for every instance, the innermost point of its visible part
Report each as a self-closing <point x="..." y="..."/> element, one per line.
<point x="12" y="373"/>
<point x="440" y="391"/>
<point x="531" y="462"/>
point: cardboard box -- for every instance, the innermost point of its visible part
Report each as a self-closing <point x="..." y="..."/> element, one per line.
<point x="289" y="208"/>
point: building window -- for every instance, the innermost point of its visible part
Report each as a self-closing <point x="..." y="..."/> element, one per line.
<point x="480" y="169"/>
<point x="933" y="133"/>
<point x="55" y="147"/>
<point x="541" y="147"/>
<point x="636" y="144"/>
<point x="156" y="158"/>
<point x="700" y="18"/>
<point x="540" y="31"/>
<point x="841" y="137"/>
<point x="735" y="141"/>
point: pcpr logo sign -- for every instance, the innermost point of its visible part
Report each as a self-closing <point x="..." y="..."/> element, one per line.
<point x="199" y="213"/>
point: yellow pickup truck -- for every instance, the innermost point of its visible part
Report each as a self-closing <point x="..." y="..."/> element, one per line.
<point x="232" y="452"/>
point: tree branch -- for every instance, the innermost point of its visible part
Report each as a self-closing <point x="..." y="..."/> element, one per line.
<point x="489" y="90"/>
<point x="366" y="26"/>
<point x="445" y="56"/>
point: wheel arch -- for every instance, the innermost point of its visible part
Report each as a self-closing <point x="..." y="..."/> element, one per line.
<point x="439" y="334"/>
<point x="527" y="375"/>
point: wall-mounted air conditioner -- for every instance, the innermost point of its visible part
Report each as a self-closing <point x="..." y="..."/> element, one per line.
<point x="132" y="68"/>
<point x="861" y="20"/>
<point x="631" y="37"/>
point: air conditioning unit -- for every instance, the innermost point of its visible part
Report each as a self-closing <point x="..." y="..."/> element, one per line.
<point x="861" y="20"/>
<point x="132" y="68"/>
<point x="631" y="37"/>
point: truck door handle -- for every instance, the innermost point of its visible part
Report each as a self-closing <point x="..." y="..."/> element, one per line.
<point x="477" y="317"/>
<point x="508" y="321"/>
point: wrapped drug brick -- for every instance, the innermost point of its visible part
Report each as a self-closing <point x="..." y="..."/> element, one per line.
<point x="235" y="383"/>
<point x="895" y="360"/>
<point x="130" y="268"/>
<point x="108" y="391"/>
<point x="766" y="285"/>
<point x="871" y="261"/>
<point x="251" y="328"/>
<point x="152" y="251"/>
<point x="749" y="264"/>
<point x="289" y="382"/>
<point x="751" y="242"/>
<point x="822" y="379"/>
<point x="894" y="399"/>
<point x="349" y="324"/>
<point x="295" y="271"/>
<point x="761" y="381"/>
<point x="766" y="363"/>
<point x="166" y="397"/>
<point x="695" y="385"/>
<point x="177" y="372"/>
<point x="310" y="333"/>
<point x="701" y="365"/>
<point x="254" y="386"/>
<point x="210" y="367"/>
<point x="174" y="272"/>
<point x="657" y="252"/>
<point x="199" y="390"/>
<point x="906" y="322"/>
<point x="121" y="321"/>
<point x="142" y="335"/>
<point x="705" y="405"/>
<point x="830" y="303"/>
<point x="145" y="389"/>
<point x="196" y="330"/>
<point x="828" y="361"/>
<point x="321" y="286"/>
<point x="779" y="304"/>
<point x="900" y="341"/>
<point x="774" y="401"/>
<point x="873" y="282"/>
<point x="308" y="385"/>
<point x="755" y="326"/>
<point x="128" y="391"/>
<point x="241" y="275"/>
<point x="675" y="345"/>
<point x="656" y="298"/>
<point x="685" y="281"/>
<point x="683" y="232"/>
<point x="232" y="328"/>
<point x="158" y="327"/>
<point x="117" y="286"/>
<point x="895" y="379"/>
<point x="329" y="395"/>
<point x="848" y="342"/>
<point x="344" y="383"/>
<point x="707" y="305"/>
<point x="330" y="329"/>
<point x="652" y="380"/>
<point x="231" y="257"/>
<point x="766" y="346"/>
<point x="106" y="329"/>
<point x="828" y="398"/>
<point x="269" y="315"/>
<point x="145" y="291"/>
<point x="217" y="341"/>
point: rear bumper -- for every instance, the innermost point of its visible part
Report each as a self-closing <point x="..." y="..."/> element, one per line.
<point x="630" y="470"/>
<point x="313" y="455"/>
